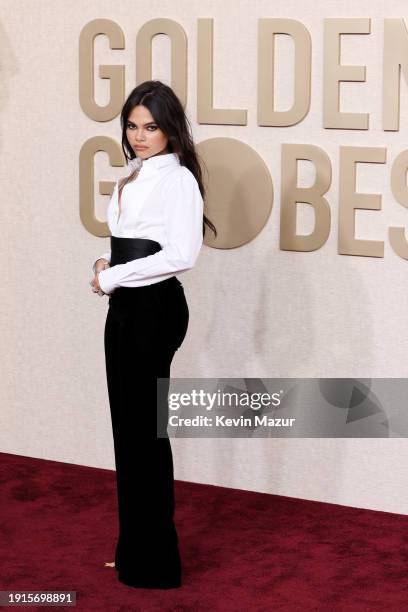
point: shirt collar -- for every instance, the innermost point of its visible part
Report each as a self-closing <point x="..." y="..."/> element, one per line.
<point x="155" y="161"/>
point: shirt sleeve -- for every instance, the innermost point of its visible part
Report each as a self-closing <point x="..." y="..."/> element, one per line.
<point x="183" y="222"/>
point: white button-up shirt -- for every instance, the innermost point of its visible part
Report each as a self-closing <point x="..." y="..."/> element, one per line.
<point x="164" y="204"/>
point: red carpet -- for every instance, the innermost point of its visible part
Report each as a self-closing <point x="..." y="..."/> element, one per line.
<point x="240" y="550"/>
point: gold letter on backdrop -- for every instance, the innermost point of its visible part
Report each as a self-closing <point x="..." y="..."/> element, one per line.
<point x="239" y="194"/>
<point x="86" y="181"/>
<point x="115" y="74"/>
<point x="267" y="30"/>
<point x="178" y="41"/>
<point x="334" y="73"/>
<point x="206" y="113"/>
<point x="291" y="194"/>
<point x="349" y="200"/>
<point x="400" y="192"/>
<point x="395" y="60"/>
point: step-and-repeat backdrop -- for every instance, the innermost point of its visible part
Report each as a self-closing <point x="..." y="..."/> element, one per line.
<point x="299" y="113"/>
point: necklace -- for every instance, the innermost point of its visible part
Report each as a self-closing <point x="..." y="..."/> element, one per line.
<point x="135" y="164"/>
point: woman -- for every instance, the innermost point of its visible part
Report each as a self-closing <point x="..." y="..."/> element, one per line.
<point x="157" y="225"/>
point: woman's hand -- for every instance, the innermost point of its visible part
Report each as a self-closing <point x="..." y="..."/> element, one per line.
<point x="101" y="264"/>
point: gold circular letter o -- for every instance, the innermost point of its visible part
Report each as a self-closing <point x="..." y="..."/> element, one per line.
<point x="239" y="191"/>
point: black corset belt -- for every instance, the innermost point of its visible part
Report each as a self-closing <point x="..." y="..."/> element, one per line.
<point x="126" y="249"/>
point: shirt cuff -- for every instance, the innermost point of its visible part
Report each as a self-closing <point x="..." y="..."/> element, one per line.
<point x="106" y="281"/>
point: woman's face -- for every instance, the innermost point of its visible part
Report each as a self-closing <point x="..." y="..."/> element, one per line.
<point x="143" y="134"/>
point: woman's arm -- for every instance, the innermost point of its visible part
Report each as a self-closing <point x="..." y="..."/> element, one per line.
<point x="183" y="218"/>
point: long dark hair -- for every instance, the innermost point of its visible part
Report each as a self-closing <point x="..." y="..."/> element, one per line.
<point x="167" y="111"/>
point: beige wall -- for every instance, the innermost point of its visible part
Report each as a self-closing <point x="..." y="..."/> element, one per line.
<point x="289" y="314"/>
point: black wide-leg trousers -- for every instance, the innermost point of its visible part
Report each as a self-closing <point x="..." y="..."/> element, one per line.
<point x="144" y="327"/>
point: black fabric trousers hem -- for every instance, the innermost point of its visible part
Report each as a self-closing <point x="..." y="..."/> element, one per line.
<point x="149" y="583"/>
